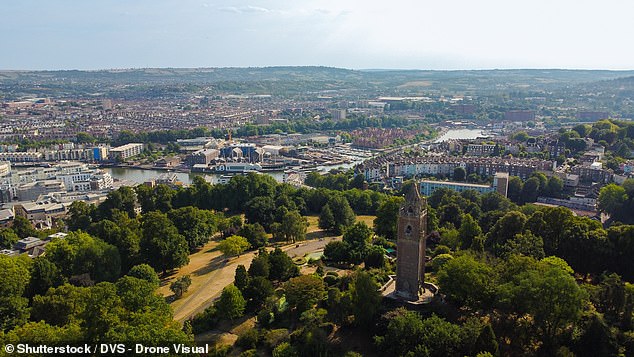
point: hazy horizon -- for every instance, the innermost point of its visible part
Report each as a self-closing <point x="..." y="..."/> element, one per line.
<point x="355" y="34"/>
<point x="317" y="66"/>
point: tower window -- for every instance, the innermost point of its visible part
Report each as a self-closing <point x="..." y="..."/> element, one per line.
<point x="408" y="229"/>
<point x="410" y="209"/>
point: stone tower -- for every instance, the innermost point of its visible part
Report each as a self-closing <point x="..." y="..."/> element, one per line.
<point x="410" y="242"/>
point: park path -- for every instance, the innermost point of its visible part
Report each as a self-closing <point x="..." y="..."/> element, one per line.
<point x="210" y="272"/>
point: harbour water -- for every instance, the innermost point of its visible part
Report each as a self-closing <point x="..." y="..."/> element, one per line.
<point x="141" y="175"/>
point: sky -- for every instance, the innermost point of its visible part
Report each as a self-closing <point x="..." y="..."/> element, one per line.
<point x="355" y="34"/>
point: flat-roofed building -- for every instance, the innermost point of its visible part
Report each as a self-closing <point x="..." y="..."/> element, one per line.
<point x="39" y="212"/>
<point x="126" y="151"/>
<point x="519" y="115"/>
<point x="21" y="156"/>
<point x="500" y="185"/>
<point x="6" y="217"/>
<point x="31" y="191"/>
<point x="427" y="187"/>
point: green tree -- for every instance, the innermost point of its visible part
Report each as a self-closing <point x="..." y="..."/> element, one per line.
<point x="469" y="229"/>
<point x="123" y="199"/>
<point x="161" y="245"/>
<point x="342" y="212"/>
<point x="459" y="174"/>
<point x="526" y="244"/>
<point x="386" y="217"/>
<point x="612" y="197"/>
<point x="60" y="306"/>
<point x="358" y="182"/>
<point x="234" y="245"/>
<point x="145" y="272"/>
<point x="80" y="253"/>
<point x="514" y="191"/>
<point x="285" y="349"/>
<point x="293" y="226"/>
<point x="8" y="238"/>
<point x="41" y="333"/>
<point x="336" y="251"/>
<point x="555" y="187"/>
<point x="281" y="265"/>
<point x="260" y="210"/>
<point x="440" y="260"/>
<point x="404" y="332"/>
<point x="255" y="235"/>
<point x="486" y="342"/>
<point x="375" y="257"/>
<point x="241" y="279"/>
<point x="530" y="288"/>
<point x="450" y="213"/>
<point x="44" y="275"/>
<point x="505" y="229"/>
<point x="180" y="285"/>
<point x="23" y="227"/>
<point x="530" y="190"/>
<point x="326" y="218"/>
<point x="196" y="225"/>
<point x="257" y="291"/>
<point x="79" y="216"/>
<point x="467" y="282"/>
<point x="304" y="291"/>
<point x="439" y="337"/>
<point x="366" y="298"/>
<point x="597" y="339"/>
<point x="231" y="304"/>
<point x="14" y="275"/>
<point x="260" y="265"/>
<point x="357" y="237"/>
<point x="125" y="237"/>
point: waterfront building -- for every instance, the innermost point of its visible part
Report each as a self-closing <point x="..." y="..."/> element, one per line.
<point x="100" y="153"/>
<point x="203" y="156"/>
<point x="21" y="156"/>
<point x="196" y="144"/>
<point x="126" y="151"/>
<point x="445" y="165"/>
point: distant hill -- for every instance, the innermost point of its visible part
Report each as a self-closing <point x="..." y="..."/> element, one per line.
<point x="166" y="82"/>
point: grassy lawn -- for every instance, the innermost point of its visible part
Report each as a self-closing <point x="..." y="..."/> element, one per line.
<point x="211" y="272"/>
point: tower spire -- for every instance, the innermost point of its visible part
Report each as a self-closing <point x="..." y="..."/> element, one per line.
<point x="410" y="245"/>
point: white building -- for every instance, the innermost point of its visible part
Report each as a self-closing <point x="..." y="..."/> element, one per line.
<point x="125" y="151"/>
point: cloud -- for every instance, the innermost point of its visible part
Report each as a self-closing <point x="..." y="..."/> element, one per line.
<point x="244" y="9"/>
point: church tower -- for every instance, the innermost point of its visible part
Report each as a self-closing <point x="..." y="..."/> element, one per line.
<point x="410" y="245"/>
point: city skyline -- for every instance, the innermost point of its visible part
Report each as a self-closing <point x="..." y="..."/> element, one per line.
<point x="353" y="34"/>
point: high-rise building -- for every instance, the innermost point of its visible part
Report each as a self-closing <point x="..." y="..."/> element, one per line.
<point x="501" y="183"/>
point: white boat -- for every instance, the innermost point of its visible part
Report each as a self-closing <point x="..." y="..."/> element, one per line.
<point x="237" y="167"/>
